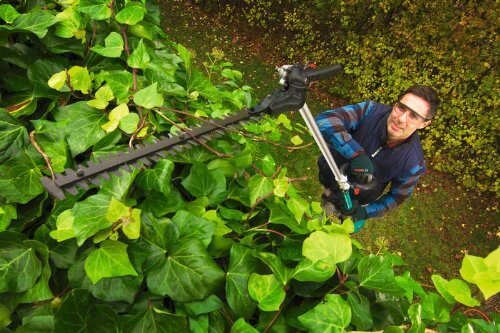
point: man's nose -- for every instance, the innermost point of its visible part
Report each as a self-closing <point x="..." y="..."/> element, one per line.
<point x="403" y="117"/>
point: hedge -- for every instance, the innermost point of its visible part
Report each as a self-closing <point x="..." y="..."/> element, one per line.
<point x="388" y="45"/>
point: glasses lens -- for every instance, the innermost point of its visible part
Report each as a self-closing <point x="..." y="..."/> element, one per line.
<point x="414" y="117"/>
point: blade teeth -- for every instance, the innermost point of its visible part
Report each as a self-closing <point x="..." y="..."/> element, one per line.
<point x="105" y="175"/>
<point x="95" y="180"/>
<point x="162" y="154"/>
<point x="83" y="184"/>
<point x="69" y="172"/>
<point x="146" y="161"/>
<point x="126" y="168"/>
<point x="219" y="132"/>
<point x="72" y="190"/>
<point x="154" y="158"/>
<point x="206" y="137"/>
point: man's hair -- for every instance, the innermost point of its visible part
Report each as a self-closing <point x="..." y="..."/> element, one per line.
<point x="428" y="94"/>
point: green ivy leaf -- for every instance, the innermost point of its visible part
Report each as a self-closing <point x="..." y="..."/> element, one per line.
<point x="410" y="286"/>
<point x="7" y="214"/>
<point x="64" y="226"/>
<point x="96" y="9"/>
<point x="19" y="264"/>
<point x="209" y="183"/>
<point x="139" y="57"/>
<point x="435" y="308"/>
<point x="148" y="97"/>
<point x="71" y="24"/>
<point x="298" y="206"/>
<point x="132" y="14"/>
<point x="78" y="314"/>
<point x="58" y="81"/>
<point x="329" y="248"/>
<point x="296" y="140"/>
<point x="13" y="136"/>
<point x="113" y="46"/>
<point x="129" y="123"/>
<point x="187" y="274"/>
<point x="361" y="314"/>
<point x="415" y="313"/>
<point x="8" y="13"/>
<point x="83" y="125"/>
<point x="159" y="178"/>
<point x="241" y="265"/>
<point x="185" y="56"/>
<point x="159" y="232"/>
<point x="308" y="270"/>
<point x="36" y="21"/>
<point x="376" y="273"/>
<point x="117" y="289"/>
<point x="120" y="83"/>
<point x="79" y="78"/>
<point x="191" y="226"/>
<point x="331" y="316"/>
<point x="281" y="185"/>
<point x="19" y="179"/>
<point x="153" y="320"/>
<point x="51" y="137"/>
<point x="267" y="291"/>
<point x="281" y="272"/>
<point x="241" y="326"/>
<point x="109" y="260"/>
<point x="259" y="187"/>
<point x="90" y="216"/>
<point x="483" y="272"/>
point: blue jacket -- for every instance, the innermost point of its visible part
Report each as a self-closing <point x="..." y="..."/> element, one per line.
<point x="363" y="126"/>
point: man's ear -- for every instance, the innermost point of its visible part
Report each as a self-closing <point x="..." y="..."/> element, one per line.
<point x="425" y="124"/>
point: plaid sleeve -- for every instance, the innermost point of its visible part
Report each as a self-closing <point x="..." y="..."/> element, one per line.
<point x="401" y="188"/>
<point x="336" y="124"/>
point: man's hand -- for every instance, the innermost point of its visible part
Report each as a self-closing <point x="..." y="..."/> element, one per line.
<point x="361" y="165"/>
<point x="357" y="213"/>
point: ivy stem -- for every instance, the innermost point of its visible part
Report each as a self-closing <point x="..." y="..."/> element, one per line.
<point x="215" y="152"/>
<point x="44" y="155"/>
<point x="271" y="231"/>
<point x="139" y="128"/>
<point x="245" y="134"/>
<point x="484" y="315"/>
<point x="291" y="180"/>
<point x="276" y="315"/>
<point x="257" y="227"/>
<point x="256" y="204"/>
<point x="226" y="316"/>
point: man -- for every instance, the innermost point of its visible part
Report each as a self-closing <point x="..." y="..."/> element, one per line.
<point x="379" y="140"/>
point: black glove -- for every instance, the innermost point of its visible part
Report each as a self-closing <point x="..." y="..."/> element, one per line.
<point x="357" y="213"/>
<point x="361" y="165"/>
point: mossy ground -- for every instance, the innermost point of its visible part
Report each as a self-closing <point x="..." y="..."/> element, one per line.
<point x="432" y="230"/>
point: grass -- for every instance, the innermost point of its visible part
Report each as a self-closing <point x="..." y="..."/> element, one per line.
<point x="432" y="230"/>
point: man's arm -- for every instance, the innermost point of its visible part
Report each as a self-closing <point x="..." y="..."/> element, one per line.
<point x="401" y="188"/>
<point x="336" y="124"/>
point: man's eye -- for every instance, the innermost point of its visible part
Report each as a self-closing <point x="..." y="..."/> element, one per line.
<point x="413" y="116"/>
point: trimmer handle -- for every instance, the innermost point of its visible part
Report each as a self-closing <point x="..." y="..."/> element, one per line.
<point x="292" y="95"/>
<point x="322" y="73"/>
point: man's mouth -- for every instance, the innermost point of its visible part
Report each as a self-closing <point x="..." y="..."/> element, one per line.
<point x="396" y="126"/>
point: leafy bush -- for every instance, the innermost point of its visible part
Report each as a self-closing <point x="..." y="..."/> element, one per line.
<point x="387" y="46"/>
<point x="210" y="239"/>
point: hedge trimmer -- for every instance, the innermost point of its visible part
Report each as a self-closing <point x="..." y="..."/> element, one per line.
<point x="291" y="96"/>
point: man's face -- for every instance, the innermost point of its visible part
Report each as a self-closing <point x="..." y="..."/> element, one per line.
<point x="409" y="114"/>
